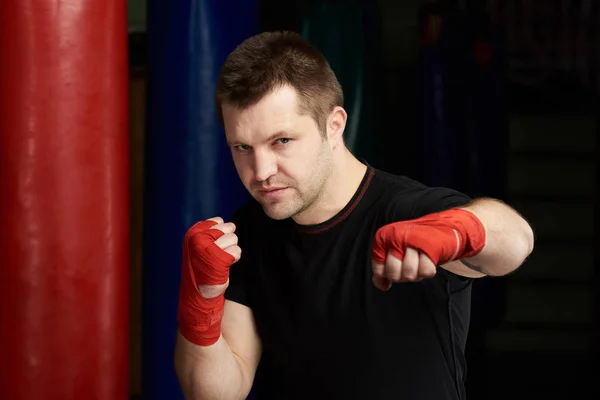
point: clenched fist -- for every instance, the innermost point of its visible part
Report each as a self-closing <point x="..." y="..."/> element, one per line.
<point x="408" y="251"/>
<point x="413" y="267"/>
<point x="210" y="248"/>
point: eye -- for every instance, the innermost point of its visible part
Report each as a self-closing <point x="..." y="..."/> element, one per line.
<point x="242" y="147"/>
<point x="284" y="140"/>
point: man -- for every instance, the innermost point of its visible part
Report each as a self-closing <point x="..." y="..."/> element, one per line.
<point x="353" y="283"/>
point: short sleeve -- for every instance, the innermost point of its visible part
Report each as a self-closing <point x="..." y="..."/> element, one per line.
<point x="240" y="271"/>
<point x="429" y="200"/>
<point x="421" y="200"/>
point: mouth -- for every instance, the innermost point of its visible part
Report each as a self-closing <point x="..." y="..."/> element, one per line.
<point x="272" y="192"/>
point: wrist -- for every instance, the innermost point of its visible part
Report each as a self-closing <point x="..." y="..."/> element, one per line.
<point x="200" y="318"/>
<point x="470" y="231"/>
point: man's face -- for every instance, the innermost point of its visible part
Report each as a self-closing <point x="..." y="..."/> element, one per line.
<point x="280" y="155"/>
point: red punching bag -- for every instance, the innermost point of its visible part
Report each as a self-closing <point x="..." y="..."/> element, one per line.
<point x="64" y="202"/>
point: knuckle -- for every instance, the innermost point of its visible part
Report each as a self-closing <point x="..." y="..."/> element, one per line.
<point x="428" y="274"/>
<point x="427" y="269"/>
<point x="228" y="239"/>
<point x="225" y="227"/>
<point x="377" y="268"/>
<point x="235" y="251"/>
<point x="393" y="272"/>
<point x="409" y="267"/>
<point x="393" y="261"/>
<point x="238" y="253"/>
<point x="431" y="271"/>
<point x="409" y="271"/>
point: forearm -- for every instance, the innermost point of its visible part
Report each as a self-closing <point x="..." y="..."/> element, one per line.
<point x="509" y="238"/>
<point x="210" y="372"/>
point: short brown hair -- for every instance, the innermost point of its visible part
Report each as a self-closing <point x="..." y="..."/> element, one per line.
<point x="269" y="60"/>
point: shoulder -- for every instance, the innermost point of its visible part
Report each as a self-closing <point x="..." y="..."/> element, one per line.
<point x="405" y="198"/>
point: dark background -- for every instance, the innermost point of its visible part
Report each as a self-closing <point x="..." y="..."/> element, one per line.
<point x="535" y="333"/>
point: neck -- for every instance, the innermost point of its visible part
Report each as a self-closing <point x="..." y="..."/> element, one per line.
<point x="346" y="176"/>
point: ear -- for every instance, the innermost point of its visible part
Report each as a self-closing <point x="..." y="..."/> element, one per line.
<point x="336" y="123"/>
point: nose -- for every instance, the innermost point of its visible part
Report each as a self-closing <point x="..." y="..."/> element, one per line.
<point x="265" y="165"/>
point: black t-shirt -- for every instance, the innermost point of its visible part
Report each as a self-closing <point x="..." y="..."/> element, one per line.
<point x="327" y="331"/>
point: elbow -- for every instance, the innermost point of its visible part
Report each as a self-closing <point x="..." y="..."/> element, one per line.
<point x="530" y="239"/>
<point x="520" y="247"/>
<point x="186" y="371"/>
<point x="523" y="248"/>
<point x="527" y="241"/>
<point x="184" y="374"/>
<point x="190" y="387"/>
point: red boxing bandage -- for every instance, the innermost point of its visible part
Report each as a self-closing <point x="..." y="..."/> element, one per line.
<point x="204" y="263"/>
<point x="444" y="236"/>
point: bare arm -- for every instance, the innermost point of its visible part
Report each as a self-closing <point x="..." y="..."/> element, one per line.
<point x="509" y="241"/>
<point x="224" y="370"/>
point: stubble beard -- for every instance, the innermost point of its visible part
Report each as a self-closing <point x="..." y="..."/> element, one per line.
<point x="303" y="200"/>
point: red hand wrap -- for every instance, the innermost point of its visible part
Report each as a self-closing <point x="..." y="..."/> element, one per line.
<point x="445" y="236"/>
<point x="204" y="263"/>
